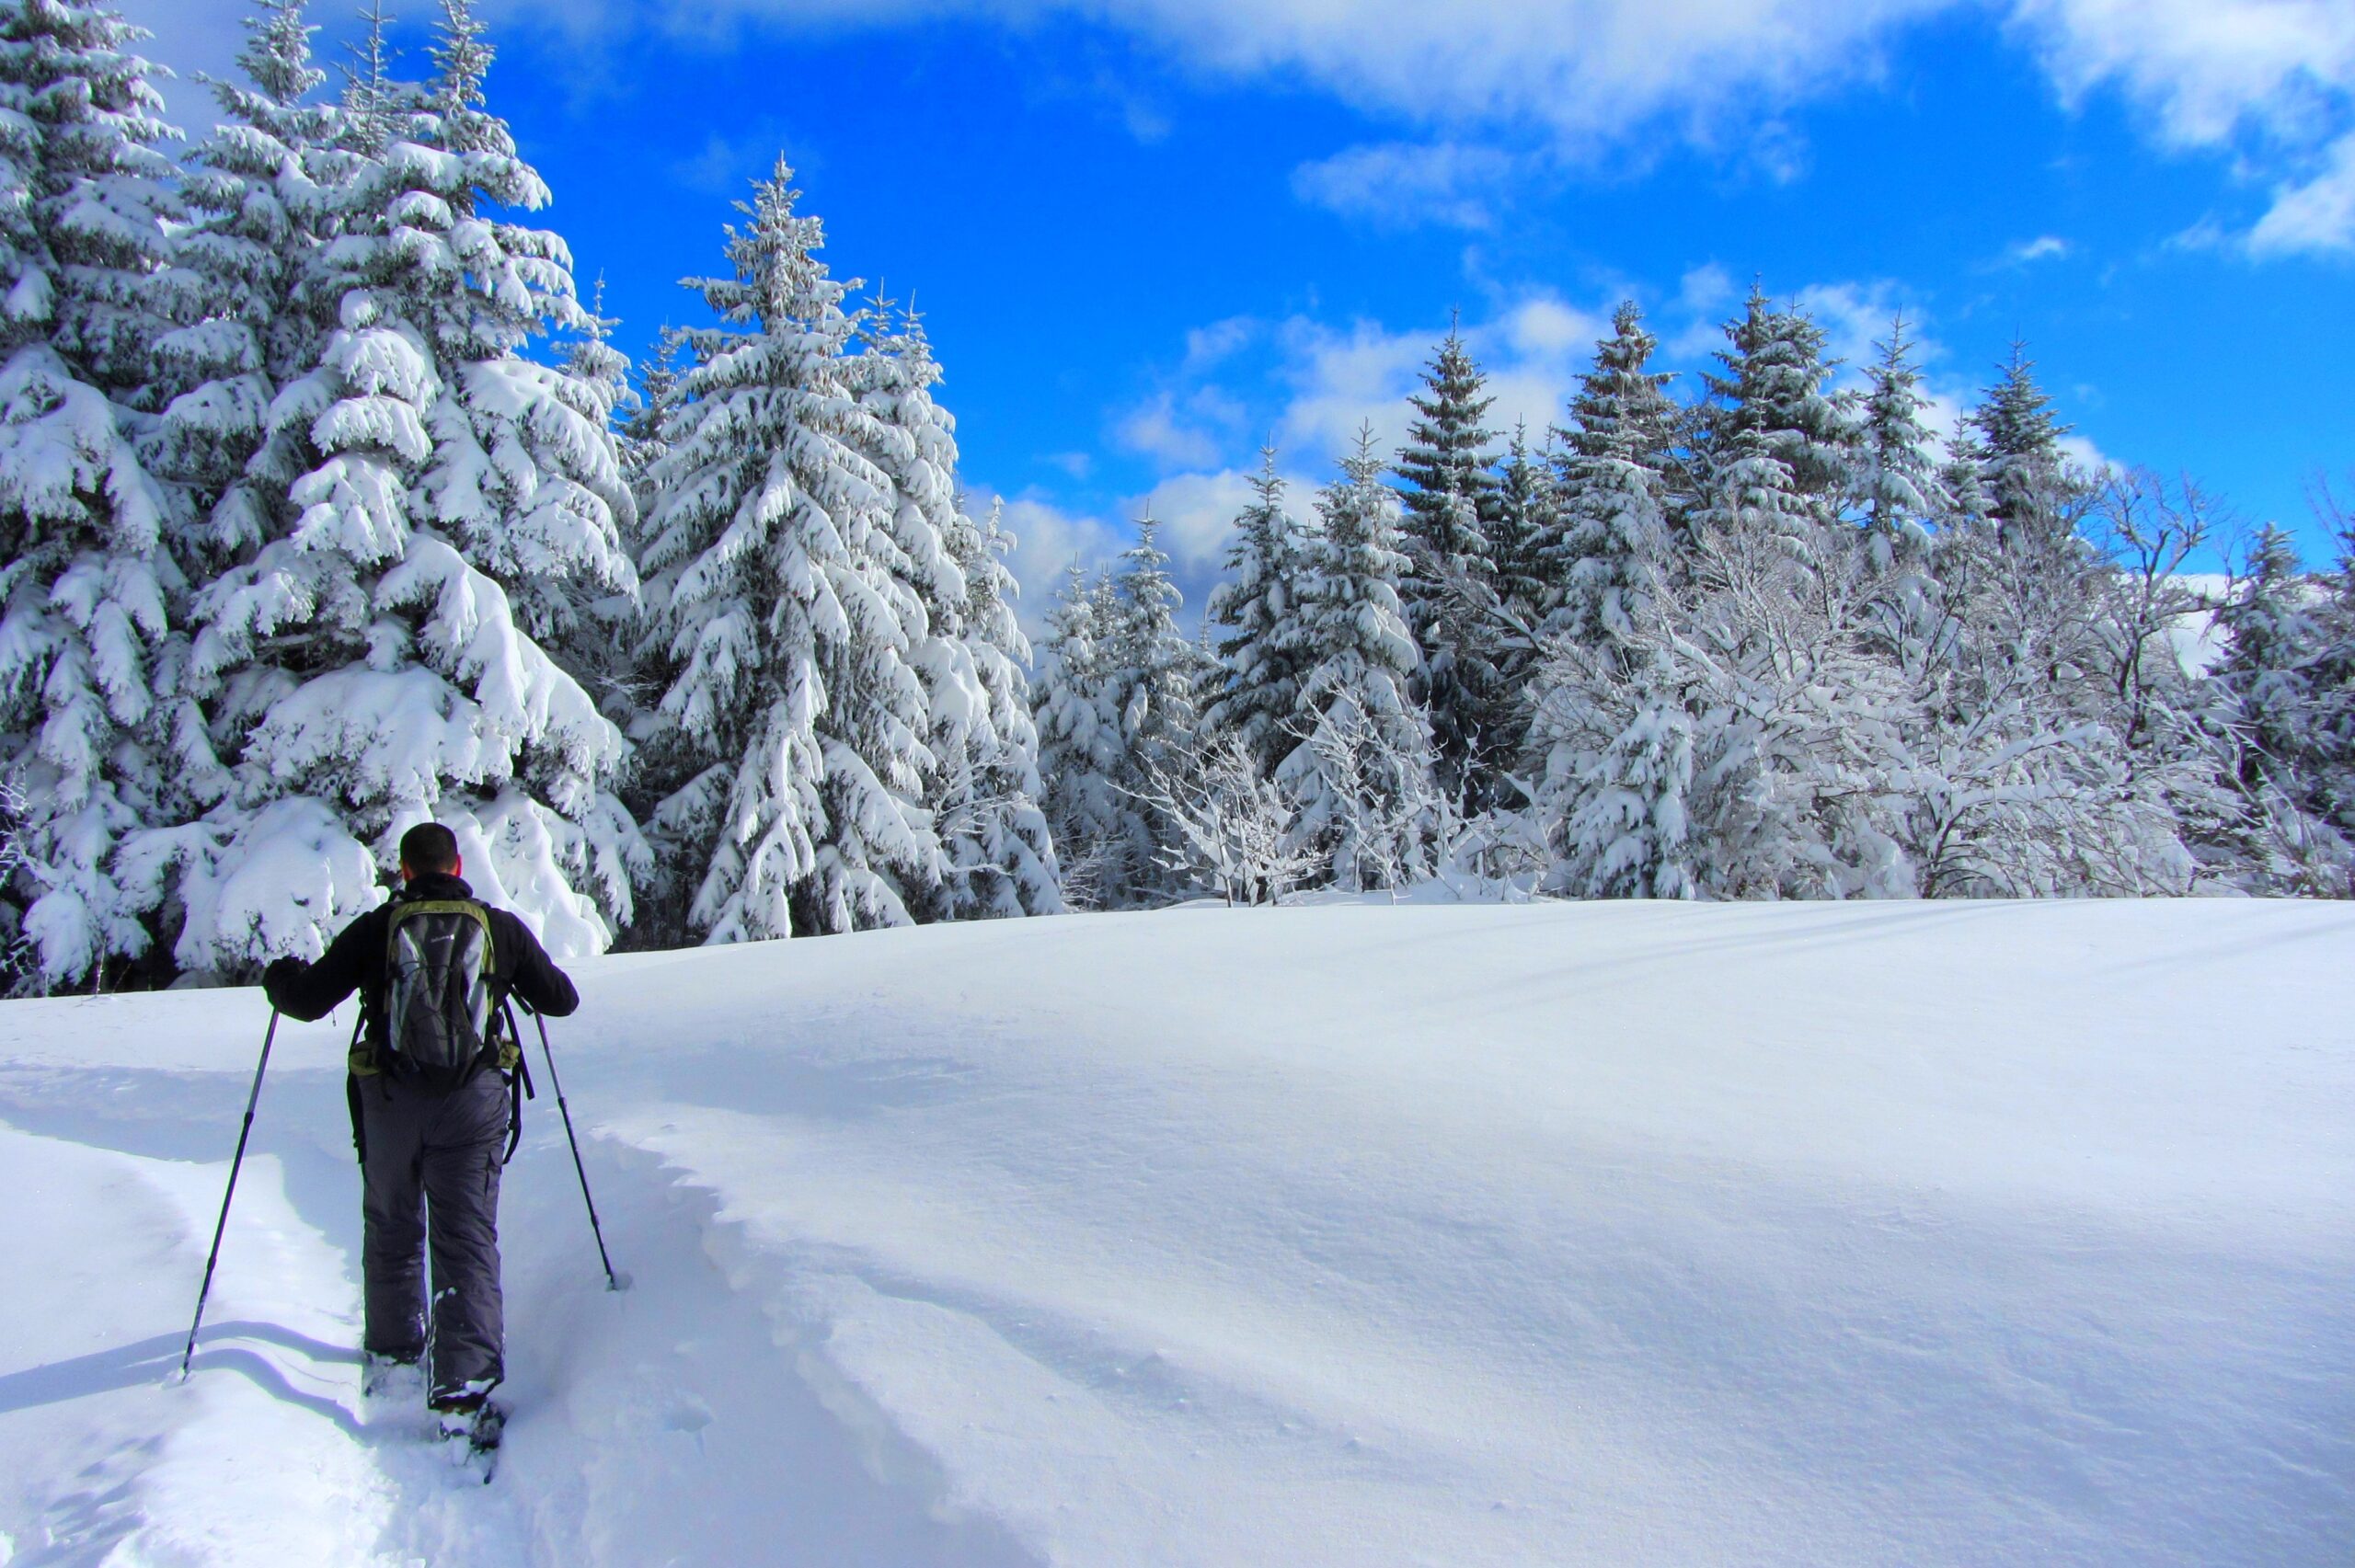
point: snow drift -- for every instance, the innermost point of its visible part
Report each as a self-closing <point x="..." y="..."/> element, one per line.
<point x="1625" y="1233"/>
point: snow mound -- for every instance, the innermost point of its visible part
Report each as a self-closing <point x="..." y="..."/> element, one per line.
<point x="1626" y="1234"/>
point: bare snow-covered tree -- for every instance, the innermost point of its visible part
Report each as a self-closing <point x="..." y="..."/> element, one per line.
<point x="1233" y="825"/>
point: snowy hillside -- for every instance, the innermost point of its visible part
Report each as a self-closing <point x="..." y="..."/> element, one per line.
<point x="1625" y="1233"/>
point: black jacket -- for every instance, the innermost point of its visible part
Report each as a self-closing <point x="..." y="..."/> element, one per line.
<point x="355" y="961"/>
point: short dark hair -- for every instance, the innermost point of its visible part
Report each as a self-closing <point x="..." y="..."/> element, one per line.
<point x="429" y="847"/>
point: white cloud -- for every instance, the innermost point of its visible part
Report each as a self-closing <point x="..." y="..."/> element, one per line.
<point x="1706" y="288"/>
<point x="1855" y="318"/>
<point x="1220" y="341"/>
<point x="1582" y="72"/>
<point x="2316" y="216"/>
<point x="1403" y="185"/>
<point x="1342" y="380"/>
<point x="1191" y="433"/>
<point x="1197" y="512"/>
<point x="1047" y="541"/>
<point x="2273" y="78"/>
<point x="2081" y="450"/>
<point x="1545" y="326"/>
<point x="2208" y="68"/>
<point x="728" y="165"/>
<point x="2044" y="247"/>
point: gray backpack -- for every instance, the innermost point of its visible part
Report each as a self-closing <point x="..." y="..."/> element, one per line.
<point x="440" y="993"/>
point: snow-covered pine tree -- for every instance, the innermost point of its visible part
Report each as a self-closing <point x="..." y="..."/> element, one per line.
<point x="643" y="440"/>
<point x="1001" y="858"/>
<point x="379" y="661"/>
<point x="2272" y="634"/>
<point x="594" y="630"/>
<point x="791" y="764"/>
<point x="981" y="784"/>
<point x="2022" y="473"/>
<point x="1256" y="607"/>
<point x="1451" y="495"/>
<point x="1362" y="768"/>
<point x="1896" y="490"/>
<point x="95" y="727"/>
<point x="259" y="194"/>
<point x="1959" y="477"/>
<point x="1615" y="543"/>
<point x="2333" y="679"/>
<point x="1616" y="741"/>
<point x="1527" y="532"/>
<point x="2293" y="765"/>
<point x="1080" y="749"/>
<point x="1150" y="679"/>
<point x="1771" y="404"/>
<point x="1449" y="481"/>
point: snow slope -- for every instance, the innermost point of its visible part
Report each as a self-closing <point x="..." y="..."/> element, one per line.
<point x="1617" y="1234"/>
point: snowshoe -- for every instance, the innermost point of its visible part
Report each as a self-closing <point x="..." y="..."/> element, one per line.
<point x="480" y="1425"/>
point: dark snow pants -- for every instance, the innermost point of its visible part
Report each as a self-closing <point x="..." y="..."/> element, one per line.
<point x="430" y="1173"/>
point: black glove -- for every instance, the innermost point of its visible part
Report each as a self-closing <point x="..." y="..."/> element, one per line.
<point x="282" y="973"/>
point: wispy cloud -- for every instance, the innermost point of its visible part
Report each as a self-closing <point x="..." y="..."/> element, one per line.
<point x="1406" y="185"/>
<point x="727" y="166"/>
<point x="2272" y="81"/>
<point x="1186" y="430"/>
<point x="2316" y="215"/>
<point x="2044" y="247"/>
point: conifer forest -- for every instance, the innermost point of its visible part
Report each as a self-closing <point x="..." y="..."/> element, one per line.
<point x="331" y="506"/>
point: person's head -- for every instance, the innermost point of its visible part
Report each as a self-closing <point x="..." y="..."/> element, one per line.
<point x="429" y="848"/>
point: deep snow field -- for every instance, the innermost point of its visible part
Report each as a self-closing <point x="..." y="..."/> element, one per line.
<point x="1612" y="1234"/>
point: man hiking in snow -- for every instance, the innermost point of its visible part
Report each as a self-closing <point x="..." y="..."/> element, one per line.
<point x="429" y="1097"/>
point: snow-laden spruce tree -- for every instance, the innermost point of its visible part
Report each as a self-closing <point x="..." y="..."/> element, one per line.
<point x="967" y="648"/>
<point x="2334" y="679"/>
<point x="2276" y="675"/>
<point x="260" y="199"/>
<point x="1770" y="403"/>
<point x="96" y="728"/>
<point x="1150" y="674"/>
<point x="1895" y="484"/>
<point x="651" y="412"/>
<point x="1527" y="529"/>
<point x="378" y="661"/>
<point x="2015" y="444"/>
<point x="1615" y="543"/>
<point x="1002" y="857"/>
<point x="1255" y="610"/>
<point x="1448" y="471"/>
<point x="1450" y="494"/>
<point x="1081" y="753"/>
<point x="1362" y="767"/>
<point x="1895" y="495"/>
<point x="792" y="756"/>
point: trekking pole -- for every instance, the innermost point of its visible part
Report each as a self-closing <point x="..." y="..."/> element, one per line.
<point x="222" y="1223"/>
<point x="612" y="1281"/>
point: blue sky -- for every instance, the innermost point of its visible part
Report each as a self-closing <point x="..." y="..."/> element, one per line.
<point x="1150" y="234"/>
